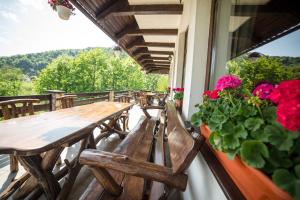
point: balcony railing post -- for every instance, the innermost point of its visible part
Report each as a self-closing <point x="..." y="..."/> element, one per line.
<point x="55" y="94"/>
<point x="111" y="96"/>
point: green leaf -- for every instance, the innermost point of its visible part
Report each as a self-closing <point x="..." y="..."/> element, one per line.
<point x="230" y="142"/>
<point x="231" y="154"/>
<point x="218" y="117"/>
<point x="279" y="159"/>
<point x="213" y="126"/>
<point x="261" y="135"/>
<point x="215" y="140"/>
<point x="253" y="153"/>
<point x="253" y="124"/>
<point x="297" y="171"/>
<point x="297" y="189"/>
<point x="195" y="120"/>
<point x="279" y="138"/>
<point x="284" y="179"/>
<point x="248" y="110"/>
<point x="240" y="131"/>
<point x="227" y="128"/>
<point x="269" y="113"/>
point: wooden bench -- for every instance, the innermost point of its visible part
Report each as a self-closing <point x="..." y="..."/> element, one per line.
<point x="148" y="164"/>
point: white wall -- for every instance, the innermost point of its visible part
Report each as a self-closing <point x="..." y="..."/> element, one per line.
<point x="196" y="15"/>
<point x="197" y="44"/>
<point x="222" y="44"/>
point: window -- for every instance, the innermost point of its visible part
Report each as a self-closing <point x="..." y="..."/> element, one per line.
<point x="268" y="27"/>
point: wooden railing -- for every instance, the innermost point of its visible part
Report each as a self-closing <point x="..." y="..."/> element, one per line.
<point x="48" y="102"/>
<point x="90" y="97"/>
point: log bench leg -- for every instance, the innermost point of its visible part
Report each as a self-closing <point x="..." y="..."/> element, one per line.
<point x="107" y="181"/>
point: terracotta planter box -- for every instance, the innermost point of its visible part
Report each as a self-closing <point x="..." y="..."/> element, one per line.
<point x="178" y="103"/>
<point x="251" y="182"/>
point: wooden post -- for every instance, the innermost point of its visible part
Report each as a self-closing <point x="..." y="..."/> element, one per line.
<point x="111" y="96"/>
<point x="54" y="95"/>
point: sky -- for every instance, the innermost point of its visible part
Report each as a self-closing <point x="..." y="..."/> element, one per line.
<point x="30" y="26"/>
<point x="288" y="45"/>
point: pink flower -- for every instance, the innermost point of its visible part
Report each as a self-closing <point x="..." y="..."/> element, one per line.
<point x="228" y="81"/>
<point x="263" y="90"/>
<point x="288" y="114"/>
<point x="284" y="91"/>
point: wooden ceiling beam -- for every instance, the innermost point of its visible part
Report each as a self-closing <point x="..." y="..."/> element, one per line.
<point x="156" y="62"/>
<point x="131" y="31"/>
<point x="148" y="57"/>
<point x="119" y="8"/>
<point x="114" y="7"/>
<point x="150" y="44"/>
<point x="147" y="52"/>
<point x="158" y="71"/>
<point x="156" y="65"/>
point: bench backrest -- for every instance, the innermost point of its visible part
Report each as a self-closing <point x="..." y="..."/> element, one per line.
<point x="183" y="146"/>
<point x="15" y="108"/>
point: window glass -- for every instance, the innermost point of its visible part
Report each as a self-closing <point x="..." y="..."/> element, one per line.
<point x="253" y="32"/>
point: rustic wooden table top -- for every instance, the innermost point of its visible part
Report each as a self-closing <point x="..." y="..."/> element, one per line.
<point x="35" y="134"/>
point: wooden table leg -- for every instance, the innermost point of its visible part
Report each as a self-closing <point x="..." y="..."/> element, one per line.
<point x="33" y="164"/>
<point x="39" y="165"/>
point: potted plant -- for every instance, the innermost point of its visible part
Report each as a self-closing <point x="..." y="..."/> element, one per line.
<point x="63" y="7"/>
<point x="255" y="135"/>
<point x="178" y="97"/>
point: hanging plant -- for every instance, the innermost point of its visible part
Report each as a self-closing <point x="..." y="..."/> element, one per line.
<point x="63" y="7"/>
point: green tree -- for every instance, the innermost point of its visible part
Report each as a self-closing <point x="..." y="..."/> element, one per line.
<point x="163" y="83"/>
<point x="10" y="81"/>
<point x="96" y="70"/>
<point x="79" y="74"/>
<point x="263" y="69"/>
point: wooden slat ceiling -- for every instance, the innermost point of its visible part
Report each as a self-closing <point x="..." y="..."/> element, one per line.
<point x="147" y="29"/>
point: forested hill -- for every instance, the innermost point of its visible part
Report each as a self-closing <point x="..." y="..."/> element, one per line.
<point x="32" y="63"/>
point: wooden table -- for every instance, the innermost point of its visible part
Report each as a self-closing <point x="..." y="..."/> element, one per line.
<point x="31" y="136"/>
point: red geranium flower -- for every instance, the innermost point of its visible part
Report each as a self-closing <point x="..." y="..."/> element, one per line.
<point x="288" y="114"/>
<point x="285" y="91"/>
<point x="214" y="94"/>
